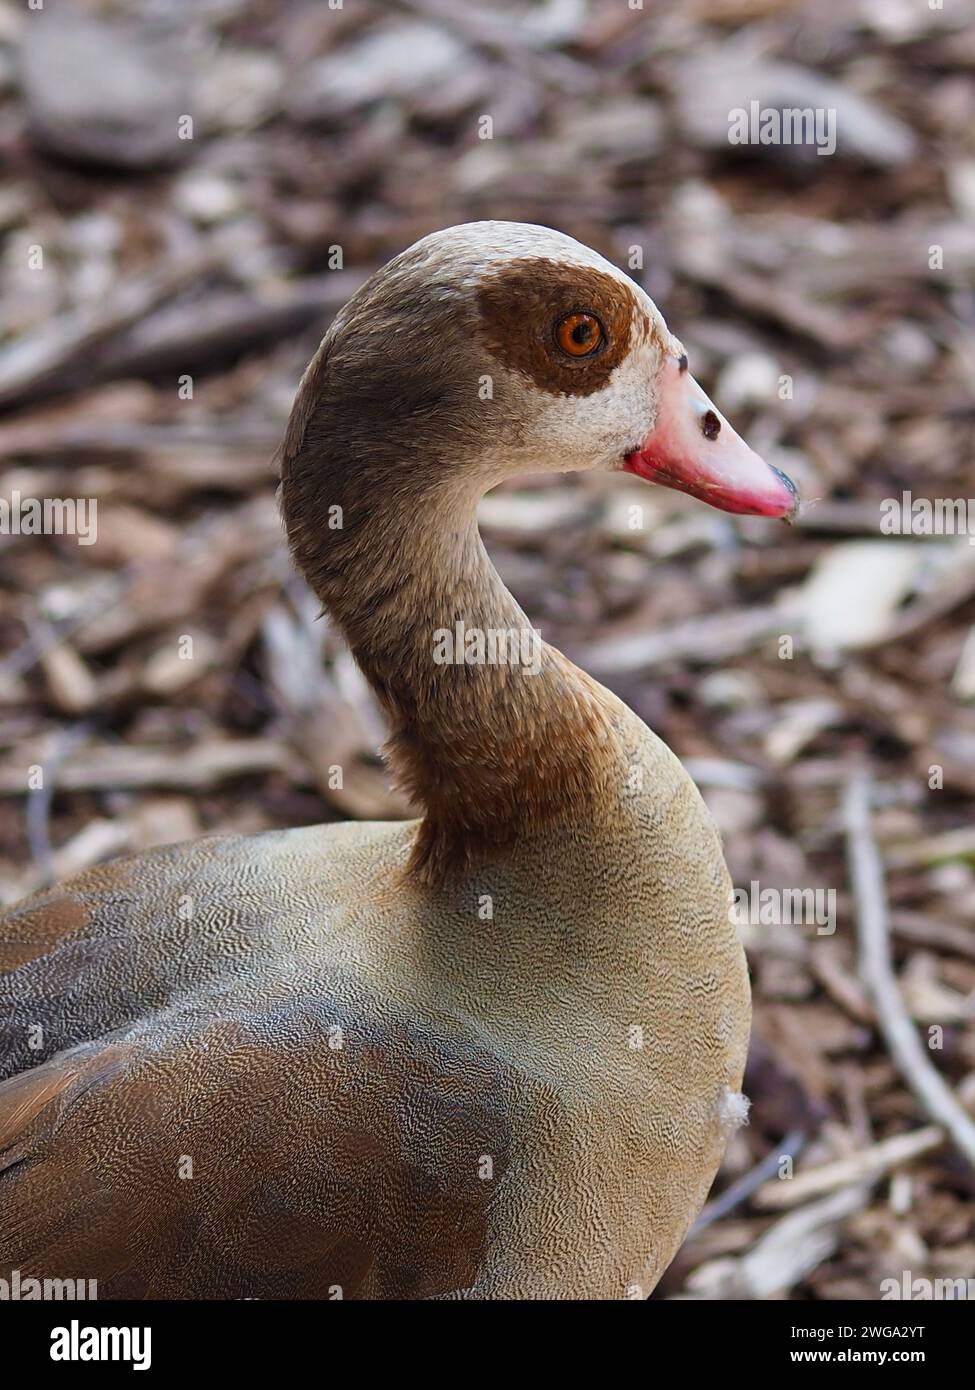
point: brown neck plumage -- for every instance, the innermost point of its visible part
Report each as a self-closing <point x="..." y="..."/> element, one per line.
<point x="495" y="734"/>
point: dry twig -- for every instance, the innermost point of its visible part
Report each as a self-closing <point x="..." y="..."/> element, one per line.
<point x="877" y="971"/>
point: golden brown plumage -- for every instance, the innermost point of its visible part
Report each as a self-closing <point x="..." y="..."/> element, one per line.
<point x="481" y="1055"/>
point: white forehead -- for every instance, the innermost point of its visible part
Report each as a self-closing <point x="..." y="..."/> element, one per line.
<point x="471" y="248"/>
<point x="455" y="261"/>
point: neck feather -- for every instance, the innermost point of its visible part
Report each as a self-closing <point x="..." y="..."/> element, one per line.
<point x="494" y="733"/>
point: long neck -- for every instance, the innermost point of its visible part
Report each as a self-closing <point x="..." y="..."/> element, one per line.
<point x="495" y="734"/>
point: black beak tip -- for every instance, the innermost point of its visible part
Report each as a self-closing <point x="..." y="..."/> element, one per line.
<point x="790" y="516"/>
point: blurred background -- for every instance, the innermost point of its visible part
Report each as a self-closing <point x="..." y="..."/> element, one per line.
<point x="190" y="190"/>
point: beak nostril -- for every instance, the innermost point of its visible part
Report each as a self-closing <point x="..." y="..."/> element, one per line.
<point x="710" y="425"/>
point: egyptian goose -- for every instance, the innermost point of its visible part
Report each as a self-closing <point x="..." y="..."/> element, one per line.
<point x="491" y="1053"/>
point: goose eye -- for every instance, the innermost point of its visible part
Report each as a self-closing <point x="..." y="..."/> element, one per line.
<point x="579" y="335"/>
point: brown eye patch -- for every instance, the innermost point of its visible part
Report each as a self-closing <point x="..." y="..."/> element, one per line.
<point x="565" y="327"/>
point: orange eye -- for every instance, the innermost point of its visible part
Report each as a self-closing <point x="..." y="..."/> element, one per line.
<point x="579" y="334"/>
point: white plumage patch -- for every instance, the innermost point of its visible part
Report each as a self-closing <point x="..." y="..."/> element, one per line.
<point x="733" y="1108"/>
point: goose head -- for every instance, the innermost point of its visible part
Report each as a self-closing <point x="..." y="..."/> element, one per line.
<point x="496" y="348"/>
<point x="480" y="352"/>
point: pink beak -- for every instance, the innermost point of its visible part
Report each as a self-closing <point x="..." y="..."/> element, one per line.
<point x="693" y="448"/>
